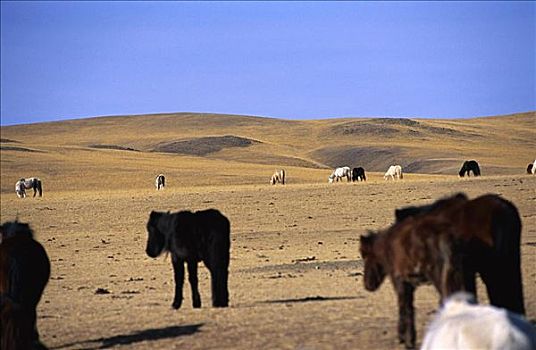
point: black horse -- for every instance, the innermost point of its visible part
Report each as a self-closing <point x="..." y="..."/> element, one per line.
<point x="470" y="165"/>
<point x="358" y="174"/>
<point x="191" y="238"/>
<point x="24" y="273"/>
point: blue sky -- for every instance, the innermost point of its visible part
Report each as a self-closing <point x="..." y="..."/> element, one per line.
<point x="296" y="60"/>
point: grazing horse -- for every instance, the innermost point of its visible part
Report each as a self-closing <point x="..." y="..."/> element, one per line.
<point x="339" y="173"/>
<point x="192" y="237"/>
<point x="24" y="273"/>
<point x="358" y="174"/>
<point x="470" y="165"/>
<point x="447" y="243"/>
<point x="25" y="184"/>
<point x="462" y="324"/>
<point x="160" y="181"/>
<point x="394" y="171"/>
<point x="278" y="177"/>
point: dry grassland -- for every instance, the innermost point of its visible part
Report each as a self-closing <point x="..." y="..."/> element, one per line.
<point x="295" y="276"/>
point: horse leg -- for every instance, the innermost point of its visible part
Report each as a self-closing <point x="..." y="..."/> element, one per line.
<point x="469" y="281"/>
<point x="192" y="278"/>
<point x="406" y="313"/>
<point x="178" y="270"/>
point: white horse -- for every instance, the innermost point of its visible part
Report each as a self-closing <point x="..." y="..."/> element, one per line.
<point x="394" y="170"/>
<point x="278" y="177"/>
<point x="25" y="184"/>
<point x="339" y="173"/>
<point x="160" y="181"/>
<point x="461" y="324"/>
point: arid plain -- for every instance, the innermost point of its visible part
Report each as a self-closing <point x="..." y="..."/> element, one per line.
<point x="296" y="274"/>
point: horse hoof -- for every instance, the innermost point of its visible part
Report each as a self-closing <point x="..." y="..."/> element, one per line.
<point x="176" y="305"/>
<point x="197" y="305"/>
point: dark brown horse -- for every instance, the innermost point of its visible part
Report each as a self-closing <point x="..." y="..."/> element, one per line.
<point x="468" y="166"/>
<point x="191" y="238"/>
<point x="447" y="243"/>
<point x="24" y="273"/>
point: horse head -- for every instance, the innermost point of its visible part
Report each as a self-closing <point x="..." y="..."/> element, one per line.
<point x="156" y="240"/>
<point x="374" y="271"/>
<point x="14" y="228"/>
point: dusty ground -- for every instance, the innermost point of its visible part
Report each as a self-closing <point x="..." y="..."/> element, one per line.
<point x="96" y="239"/>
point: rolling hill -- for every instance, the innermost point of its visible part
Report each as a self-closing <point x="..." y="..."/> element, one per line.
<point x="214" y="149"/>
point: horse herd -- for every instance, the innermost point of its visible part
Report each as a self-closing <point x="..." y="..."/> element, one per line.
<point x="446" y="243"/>
<point x="279" y="176"/>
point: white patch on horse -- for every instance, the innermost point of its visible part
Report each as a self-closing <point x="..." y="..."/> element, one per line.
<point x="25" y="184"/>
<point x="393" y="171"/>
<point x="339" y="173"/>
<point x="160" y="181"/>
<point x="278" y="177"/>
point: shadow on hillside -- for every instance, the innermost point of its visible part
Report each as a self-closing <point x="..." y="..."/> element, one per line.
<point x="135" y="337"/>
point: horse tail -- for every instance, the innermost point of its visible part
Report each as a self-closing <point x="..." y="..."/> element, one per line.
<point x="506" y="235"/>
<point x="40" y="188"/>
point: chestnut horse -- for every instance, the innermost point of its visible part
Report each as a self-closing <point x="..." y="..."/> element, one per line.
<point x="470" y="165"/>
<point x="447" y="243"/>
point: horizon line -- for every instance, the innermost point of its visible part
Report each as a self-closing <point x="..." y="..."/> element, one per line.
<point x="59" y="120"/>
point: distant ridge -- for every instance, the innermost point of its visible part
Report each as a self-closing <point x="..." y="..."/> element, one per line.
<point x="502" y="144"/>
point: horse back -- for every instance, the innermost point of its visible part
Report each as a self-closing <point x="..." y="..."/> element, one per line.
<point x="202" y="235"/>
<point x="494" y="221"/>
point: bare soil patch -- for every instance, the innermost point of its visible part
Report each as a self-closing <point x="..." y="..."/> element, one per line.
<point x="204" y="145"/>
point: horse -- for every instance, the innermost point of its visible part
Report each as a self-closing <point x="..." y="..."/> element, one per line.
<point x="192" y="237"/>
<point x="447" y="243"/>
<point x="278" y="177"/>
<point x="24" y="273"/>
<point x="25" y="184"/>
<point x="533" y="170"/>
<point x="394" y="171"/>
<point x="358" y="174"/>
<point x="529" y="168"/>
<point x="339" y="173"/>
<point x="160" y="181"/>
<point x="470" y="165"/>
<point x="462" y="324"/>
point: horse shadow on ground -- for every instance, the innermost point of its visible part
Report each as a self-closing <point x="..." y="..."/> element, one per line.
<point x="135" y="337"/>
<point x="308" y="299"/>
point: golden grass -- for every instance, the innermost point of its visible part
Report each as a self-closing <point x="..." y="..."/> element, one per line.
<point x="96" y="202"/>
<point x="502" y="145"/>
